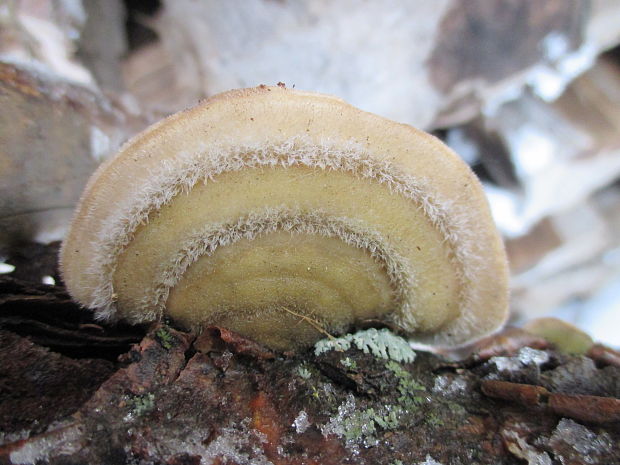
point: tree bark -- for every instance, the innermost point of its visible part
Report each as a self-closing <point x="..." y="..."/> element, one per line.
<point x="217" y="398"/>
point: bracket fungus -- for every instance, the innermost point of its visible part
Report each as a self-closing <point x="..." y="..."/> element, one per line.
<point x="283" y="214"/>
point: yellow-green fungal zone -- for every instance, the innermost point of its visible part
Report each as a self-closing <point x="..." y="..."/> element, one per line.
<point x="564" y="336"/>
<point x="285" y="216"/>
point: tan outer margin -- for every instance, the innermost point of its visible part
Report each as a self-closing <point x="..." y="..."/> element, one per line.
<point x="273" y="115"/>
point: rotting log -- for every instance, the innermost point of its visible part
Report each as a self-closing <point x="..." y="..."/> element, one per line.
<point x="217" y="398"/>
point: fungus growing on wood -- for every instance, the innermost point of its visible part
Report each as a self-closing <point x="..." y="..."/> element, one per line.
<point x="284" y="215"/>
<point x="564" y="336"/>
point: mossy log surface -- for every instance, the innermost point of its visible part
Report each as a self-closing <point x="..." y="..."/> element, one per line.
<point x="216" y="398"/>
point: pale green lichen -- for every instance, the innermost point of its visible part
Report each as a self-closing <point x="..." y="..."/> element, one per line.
<point x="362" y="426"/>
<point x="381" y="343"/>
<point x="303" y="372"/>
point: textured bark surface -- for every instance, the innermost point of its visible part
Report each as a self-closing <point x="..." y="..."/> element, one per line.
<point x="38" y="387"/>
<point x="47" y="316"/>
<point x="178" y="398"/>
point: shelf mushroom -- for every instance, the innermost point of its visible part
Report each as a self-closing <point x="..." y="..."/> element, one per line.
<point x="283" y="215"/>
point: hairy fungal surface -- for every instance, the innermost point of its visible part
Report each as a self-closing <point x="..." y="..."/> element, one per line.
<point x="276" y="212"/>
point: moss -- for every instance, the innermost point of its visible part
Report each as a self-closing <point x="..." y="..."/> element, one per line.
<point x="408" y="388"/>
<point x="324" y="395"/>
<point x="364" y="424"/>
<point x="433" y="420"/>
<point x="389" y="419"/>
<point x="457" y="410"/>
<point x="381" y="343"/>
<point x="141" y="405"/>
<point x="164" y="337"/>
<point x="394" y="399"/>
<point x="349" y="364"/>
<point x="361" y="426"/>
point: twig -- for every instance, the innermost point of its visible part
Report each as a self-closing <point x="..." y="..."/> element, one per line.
<point x="311" y="321"/>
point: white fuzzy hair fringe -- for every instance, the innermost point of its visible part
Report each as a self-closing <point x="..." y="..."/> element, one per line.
<point x="180" y="174"/>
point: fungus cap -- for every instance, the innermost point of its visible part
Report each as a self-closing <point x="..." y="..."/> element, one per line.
<point x="283" y="214"/>
<point x="565" y="337"/>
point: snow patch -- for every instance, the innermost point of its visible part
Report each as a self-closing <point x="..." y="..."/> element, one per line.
<point x="429" y="461"/>
<point x="583" y="441"/>
<point x="100" y="144"/>
<point x="449" y="386"/>
<point x="520" y="448"/>
<point x="526" y="356"/>
<point x="65" y="441"/>
<point x="6" y="268"/>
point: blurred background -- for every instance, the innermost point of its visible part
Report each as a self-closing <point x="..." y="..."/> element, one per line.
<point x="526" y="91"/>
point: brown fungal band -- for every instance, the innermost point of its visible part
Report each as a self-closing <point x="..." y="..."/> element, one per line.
<point x="263" y="209"/>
